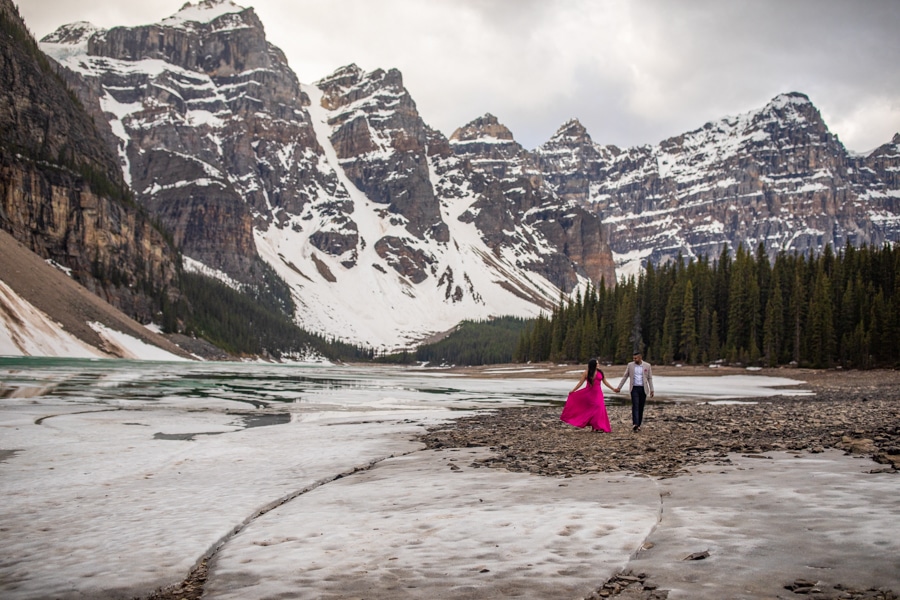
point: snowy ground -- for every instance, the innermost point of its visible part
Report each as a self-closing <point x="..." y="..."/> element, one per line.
<point x="118" y="477"/>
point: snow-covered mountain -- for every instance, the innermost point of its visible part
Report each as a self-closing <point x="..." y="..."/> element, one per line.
<point x="775" y="176"/>
<point x="385" y="230"/>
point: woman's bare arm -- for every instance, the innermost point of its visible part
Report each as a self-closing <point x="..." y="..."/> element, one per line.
<point x="580" y="381"/>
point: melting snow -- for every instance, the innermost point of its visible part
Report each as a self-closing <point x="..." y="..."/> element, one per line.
<point x="26" y="331"/>
<point x="121" y="476"/>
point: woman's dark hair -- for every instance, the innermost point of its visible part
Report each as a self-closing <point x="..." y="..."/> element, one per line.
<point x="592" y="369"/>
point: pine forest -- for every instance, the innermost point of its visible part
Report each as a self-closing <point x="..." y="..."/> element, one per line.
<point x="835" y="309"/>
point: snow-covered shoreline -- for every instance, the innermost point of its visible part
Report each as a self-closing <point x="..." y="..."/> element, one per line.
<point x="119" y="476"/>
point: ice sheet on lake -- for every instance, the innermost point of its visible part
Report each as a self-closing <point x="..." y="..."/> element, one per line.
<point x="413" y="528"/>
<point x="118" y="476"/>
<point x="723" y="387"/>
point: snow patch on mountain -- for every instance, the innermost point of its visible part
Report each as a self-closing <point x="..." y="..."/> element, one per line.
<point x="26" y="331"/>
<point x="195" y="266"/>
<point x="370" y="302"/>
<point x="205" y="11"/>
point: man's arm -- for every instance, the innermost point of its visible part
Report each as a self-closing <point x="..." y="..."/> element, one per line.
<point x="648" y="376"/>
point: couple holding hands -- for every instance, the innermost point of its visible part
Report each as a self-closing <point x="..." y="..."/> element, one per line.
<point x="585" y="407"/>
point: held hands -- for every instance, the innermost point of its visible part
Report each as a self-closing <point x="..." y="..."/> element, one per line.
<point x="617" y="390"/>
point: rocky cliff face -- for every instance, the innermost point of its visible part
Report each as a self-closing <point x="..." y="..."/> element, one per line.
<point x="876" y="180"/>
<point x="209" y="122"/>
<point x="775" y="176"/>
<point x="515" y="202"/>
<point x="340" y="186"/>
<point x="380" y="142"/>
<point x="61" y="189"/>
<point x="571" y="160"/>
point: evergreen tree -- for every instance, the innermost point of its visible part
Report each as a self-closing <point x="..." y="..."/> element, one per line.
<point x="773" y="326"/>
<point x="817" y="311"/>
<point x="689" y="349"/>
<point x="715" y="344"/>
<point x="590" y="337"/>
<point x="821" y="321"/>
<point x="796" y="311"/>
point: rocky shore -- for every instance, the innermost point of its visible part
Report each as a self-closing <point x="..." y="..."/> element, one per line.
<point x="675" y="436"/>
<point x="856" y="412"/>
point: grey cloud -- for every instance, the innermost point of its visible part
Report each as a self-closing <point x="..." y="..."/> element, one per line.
<point x="633" y="72"/>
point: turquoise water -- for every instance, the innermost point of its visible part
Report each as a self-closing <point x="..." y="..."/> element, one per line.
<point x="260" y="385"/>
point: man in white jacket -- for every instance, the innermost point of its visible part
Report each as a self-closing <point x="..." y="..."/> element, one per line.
<point x="640" y="376"/>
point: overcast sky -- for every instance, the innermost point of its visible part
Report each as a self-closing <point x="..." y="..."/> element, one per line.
<point x="632" y="71"/>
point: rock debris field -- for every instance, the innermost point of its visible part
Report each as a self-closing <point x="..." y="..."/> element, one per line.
<point x="678" y="435"/>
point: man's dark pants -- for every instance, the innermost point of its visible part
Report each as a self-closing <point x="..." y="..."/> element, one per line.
<point x="638" y="399"/>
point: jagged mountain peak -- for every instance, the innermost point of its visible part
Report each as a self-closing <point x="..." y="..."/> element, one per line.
<point x="343" y="76"/>
<point x="792" y="107"/>
<point x="789" y="112"/>
<point x="351" y="84"/>
<point x="891" y="148"/>
<point x="571" y="129"/>
<point x="571" y="135"/>
<point x="483" y="128"/>
<point x="205" y="11"/>
<point x="72" y="33"/>
<point x="782" y="100"/>
<point x="353" y="74"/>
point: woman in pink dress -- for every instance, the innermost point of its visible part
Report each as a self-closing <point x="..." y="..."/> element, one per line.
<point x="586" y="407"/>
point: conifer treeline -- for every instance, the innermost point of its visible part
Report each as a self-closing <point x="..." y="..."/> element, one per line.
<point x="833" y="309"/>
<point x="249" y="323"/>
<point x="476" y="343"/>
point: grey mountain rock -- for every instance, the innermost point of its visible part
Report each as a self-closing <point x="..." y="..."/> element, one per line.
<point x="775" y="176"/>
<point x="345" y="190"/>
<point x="512" y="193"/>
<point x="210" y="125"/>
<point x="62" y="194"/>
<point x="340" y="186"/>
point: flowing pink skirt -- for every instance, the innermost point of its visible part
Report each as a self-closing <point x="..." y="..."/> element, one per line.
<point x="586" y="407"/>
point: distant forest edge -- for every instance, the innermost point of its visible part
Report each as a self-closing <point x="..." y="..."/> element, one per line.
<point x="248" y="322"/>
<point x="476" y="343"/>
<point x="833" y="309"/>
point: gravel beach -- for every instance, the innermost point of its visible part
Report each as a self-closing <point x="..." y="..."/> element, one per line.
<point x="857" y="412"/>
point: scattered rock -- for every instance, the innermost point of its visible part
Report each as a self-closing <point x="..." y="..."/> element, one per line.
<point x="676" y="436"/>
<point x="821" y="590"/>
<point x="630" y="585"/>
<point x="697" y="555"/>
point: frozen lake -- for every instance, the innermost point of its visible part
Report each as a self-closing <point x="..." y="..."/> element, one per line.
<point x="118" y="477"/>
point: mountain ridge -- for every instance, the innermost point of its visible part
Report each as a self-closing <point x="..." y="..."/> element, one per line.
<point x="62" y="193"/>
<point x="344" y="189"/>
<point x="223" y="147"/>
